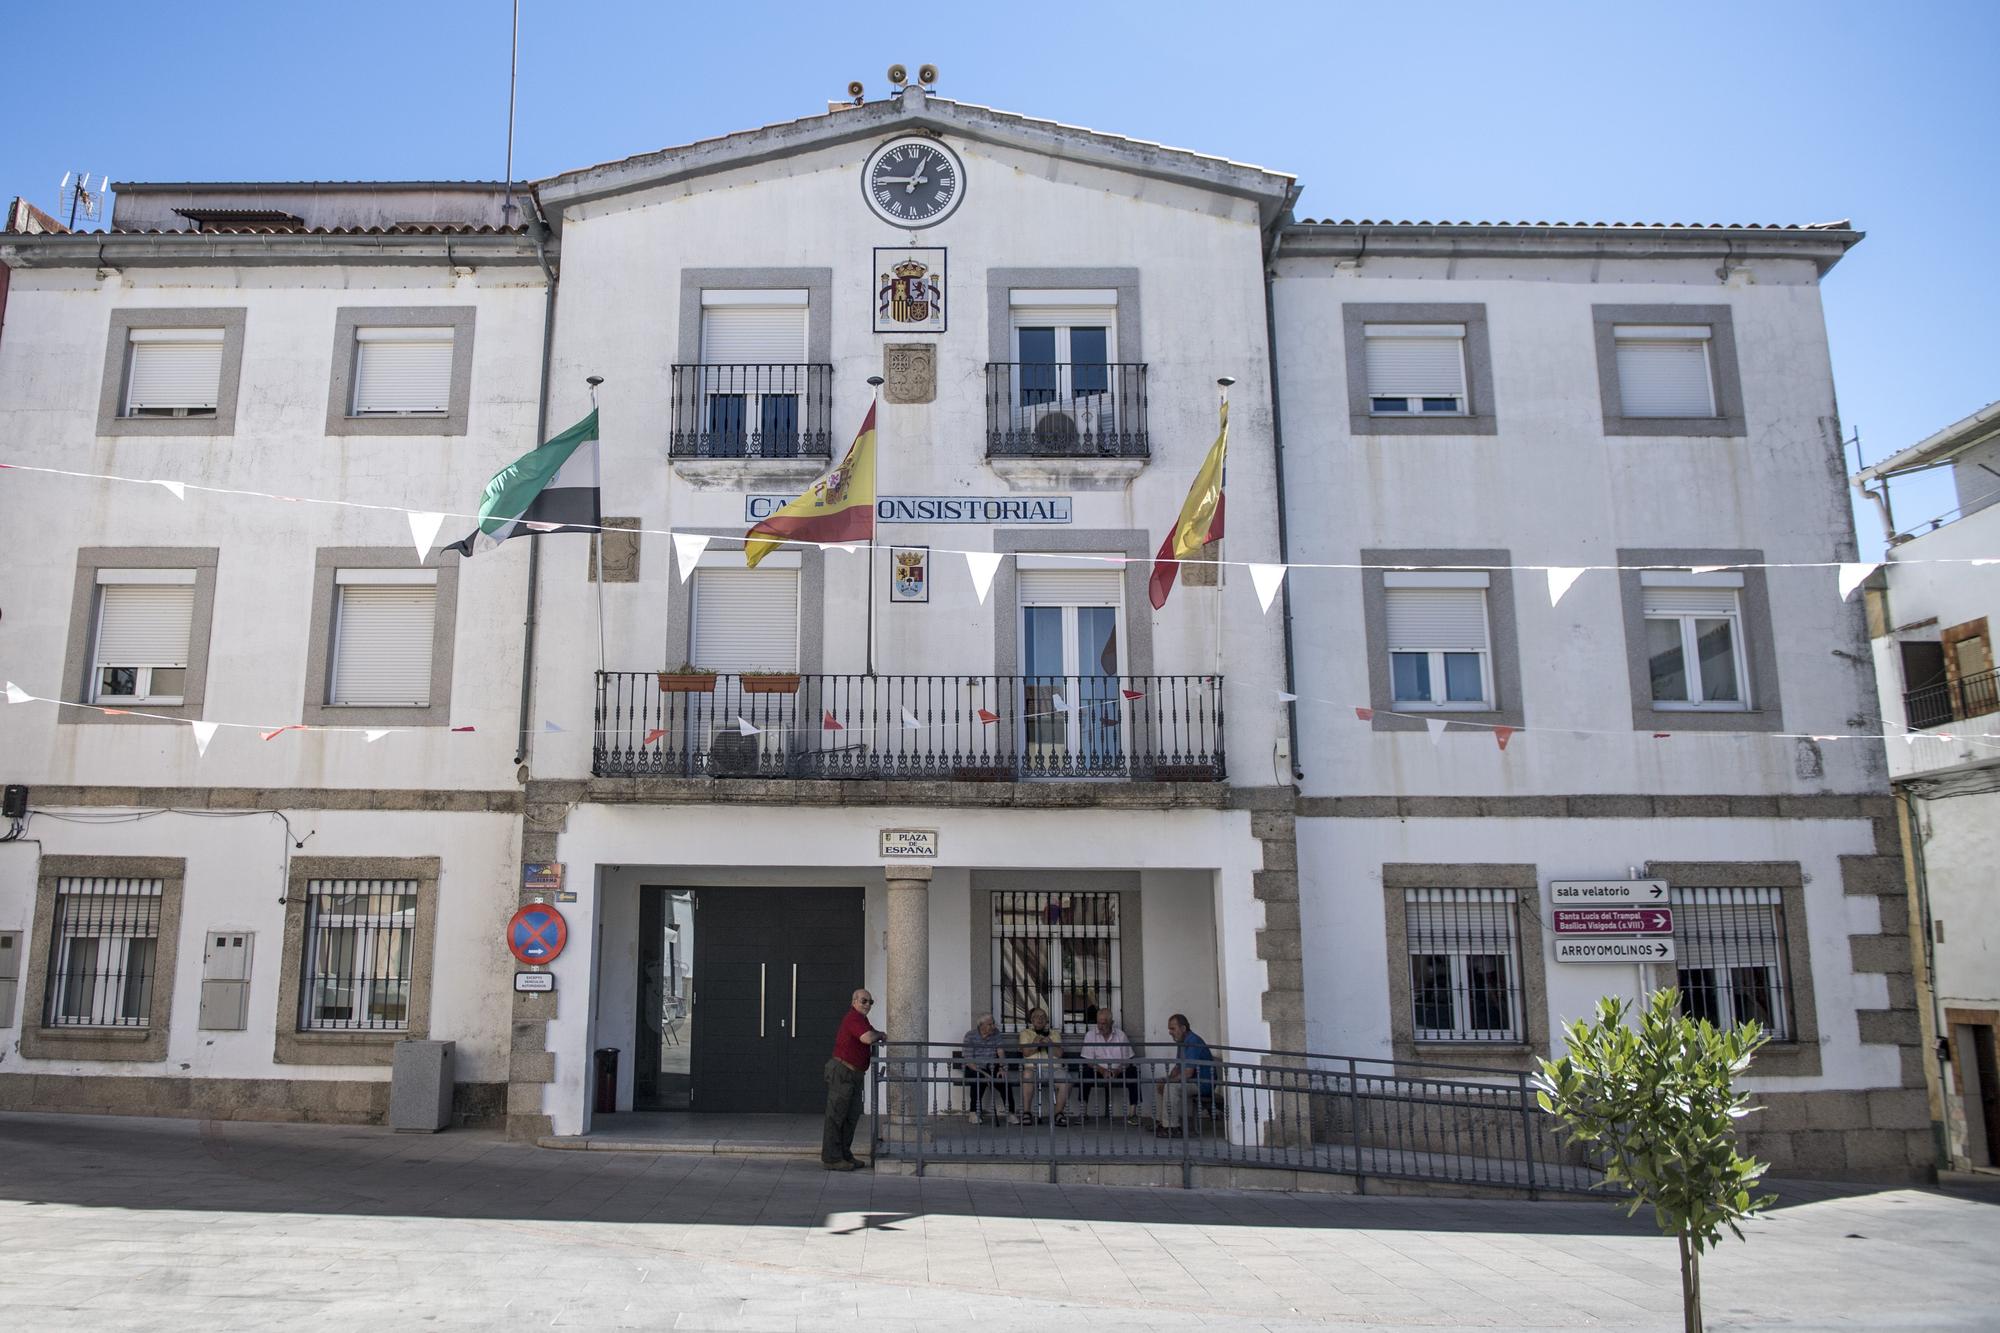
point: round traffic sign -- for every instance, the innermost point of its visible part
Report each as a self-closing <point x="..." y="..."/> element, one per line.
<point x="537" y="933"/>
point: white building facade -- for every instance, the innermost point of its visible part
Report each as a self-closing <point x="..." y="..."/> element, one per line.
<point x="1931" y="610"/>
<point x="1210" y="809"/>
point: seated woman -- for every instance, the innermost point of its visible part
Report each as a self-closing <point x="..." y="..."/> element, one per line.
<point x="1041" y="1059"/>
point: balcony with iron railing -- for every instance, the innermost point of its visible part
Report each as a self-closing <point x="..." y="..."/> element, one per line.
<point x="768" y="411"/>
<point x="1952" y="701"/>
<point x="938" y="728"/>
<point x="1066" y="411"/>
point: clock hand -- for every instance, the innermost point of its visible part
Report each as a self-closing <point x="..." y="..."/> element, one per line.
<point x="912" y="182"/>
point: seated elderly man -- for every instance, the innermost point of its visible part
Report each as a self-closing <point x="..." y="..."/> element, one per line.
<point x="984" y="1067"/>
<point x="1108" y="1060"/>
<point x="1189" y="1084"/>
<point x="1042" y="1061"/>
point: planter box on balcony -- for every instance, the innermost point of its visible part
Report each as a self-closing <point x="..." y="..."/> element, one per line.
<point x="688" y="682"/>
<point x="770" y="684"/>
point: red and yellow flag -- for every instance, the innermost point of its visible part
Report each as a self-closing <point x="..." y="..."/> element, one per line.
<point x="1201" y="518"/>
<point x="839" y="507"/>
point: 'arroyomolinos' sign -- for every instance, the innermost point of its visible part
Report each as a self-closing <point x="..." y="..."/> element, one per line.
<point x="1012" y="509"/>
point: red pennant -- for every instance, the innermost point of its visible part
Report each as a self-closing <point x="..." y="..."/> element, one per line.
<point x="464" y="728"/>
<point x="654" y="735"/>
<point x="1364" y="714"/>
<point x="828" y="722"/>
<point x="1503" y="735"/>
<point x="296" y="726"/>
<point x="1133" y="694"/>
<point x="1663" y="735"/>
<point x="988" y="717"/>
<point x="116" y="712"/>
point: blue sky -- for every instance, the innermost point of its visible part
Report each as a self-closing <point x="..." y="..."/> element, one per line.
<point x="1764" y="112"/>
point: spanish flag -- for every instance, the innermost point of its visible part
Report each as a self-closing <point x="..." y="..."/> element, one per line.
<point x="1201" y="517"/>
<point x="839" y="507"/>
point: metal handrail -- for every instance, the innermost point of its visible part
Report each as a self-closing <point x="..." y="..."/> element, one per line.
<point x="1952" y="701"/>
<point x="1064" y="410"/>
<point x="751" y="411"/>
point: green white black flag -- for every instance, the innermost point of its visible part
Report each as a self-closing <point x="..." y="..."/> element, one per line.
<point x="553" y="489"/>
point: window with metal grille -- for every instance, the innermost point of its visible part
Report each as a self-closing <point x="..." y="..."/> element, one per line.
<point x="1465" y="964"/>
<point x="358" y="949"/>
<point x="1729" y="944"/>
<point x="1055" y="951"/>
<point x="102" y="953"/>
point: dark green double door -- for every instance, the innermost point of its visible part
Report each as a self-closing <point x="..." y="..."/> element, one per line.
<point x="773" y="970"/>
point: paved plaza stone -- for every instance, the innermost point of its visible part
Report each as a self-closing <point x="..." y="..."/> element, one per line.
<point x="110" y="1223"/>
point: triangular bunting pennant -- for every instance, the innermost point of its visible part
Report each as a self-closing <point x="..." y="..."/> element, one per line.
<point x="204" y="732"/>
<point x="1560" y="579"/>
<point x="1709" y="569"/>
<point x="179" y="490"/>
<point x="688" y="547"/>
<point x="279" y="731"/>
<point x="1133" y="694"/>
<point x="1286" y="697"/>
<point x="17" y="695"/>
<point x="1365" y="714"/>
<point x="1266" y="578"/>
<point x="653" y="735"/>
<point x="464" y="728"/>
<point x="1852" y="572"/>
<point x="828" y="722"/>
<point x="1062" y="705"/>
<point x="1436" y="727"/>
<point x="423" y="531"/>
<point x="1501" y="735"/>
<point x="981" y="565"/>
<point x="550" y="726"/>
<point x="1663" y="735"/>
<point x="373" y="734"/>
<point x="116" y="712"/>
<point x="988" y="716"/>
<point x="911" y="721"/>
<point x="743" y="727"/>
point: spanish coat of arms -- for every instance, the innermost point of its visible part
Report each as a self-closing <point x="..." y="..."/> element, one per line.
<point x="909" y="290"/>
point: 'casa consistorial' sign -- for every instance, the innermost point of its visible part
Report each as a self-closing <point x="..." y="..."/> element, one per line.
<point x="909" y="844"/>
<point x="1009" y="509"/>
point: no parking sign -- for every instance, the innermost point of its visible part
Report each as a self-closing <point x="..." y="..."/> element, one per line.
<point x="537" y="933"/>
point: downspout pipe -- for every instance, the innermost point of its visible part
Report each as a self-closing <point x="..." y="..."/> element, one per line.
<point x="538" y="231"/>
<point x="1276" y="237"/>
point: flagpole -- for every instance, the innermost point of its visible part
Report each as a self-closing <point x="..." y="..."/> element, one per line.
<point x="875" y="395"/>
<point x="1222" y="483"/>
<point x="598" y="538"/>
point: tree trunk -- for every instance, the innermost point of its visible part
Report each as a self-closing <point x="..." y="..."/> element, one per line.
<point x="1690" y="1284"/>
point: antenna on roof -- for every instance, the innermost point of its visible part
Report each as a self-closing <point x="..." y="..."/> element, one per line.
<point x="76" y="196"/>
<point x="513" y="72"/>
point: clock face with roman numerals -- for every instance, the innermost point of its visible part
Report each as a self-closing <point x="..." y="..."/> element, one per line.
<point x="913" y="182"/>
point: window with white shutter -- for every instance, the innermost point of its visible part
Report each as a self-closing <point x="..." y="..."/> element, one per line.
<point x="747" y="619"/>
<point x="1416" y="369"/>
<point x="1663" y="370"/>
<point x="144" y="621"/>
<point x="1694" y="639"/>
<point x="1439" y="651"/>
<point x="173" y="372"/>
<point x="384" y="623"/>
<point x="400" y="371"/>
<point x="750" y="327"/>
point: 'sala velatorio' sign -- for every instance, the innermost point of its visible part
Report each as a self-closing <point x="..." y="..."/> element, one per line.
<point x="1607" y="892"/>
<point x="909" y="844"/>
<point x="1010" y="509"/>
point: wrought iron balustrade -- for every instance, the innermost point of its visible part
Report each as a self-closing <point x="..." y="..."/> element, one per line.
<point x="752" y="411"/>
<point x="1082" y="410"/>
<point x="1968" y="696"/>
<point x="951" y="728"/>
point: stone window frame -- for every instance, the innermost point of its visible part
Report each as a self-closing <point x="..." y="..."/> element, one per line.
<point x="133" y="1045"/>
<point x="812" y="601"/>
<point x="1799" y="1057"/>
<point x="79" y="653"/>
<point x="1725" y="374"/>
<point x="1525" y="879"/>
<point x="1480" y="416"/>
<point x="348" y="320"/>
<point x="1132" y="543"/>
<point x="1131" y="932"/>
<point x="1760" y="646"/>
<point x="296" y="1046"/>
<point x="818" y="284"/>
<point x="1502" y="635"/>
<point x="1001" y="283"/>
<point x="327" y="560"/>
<point x="111" y="396"/>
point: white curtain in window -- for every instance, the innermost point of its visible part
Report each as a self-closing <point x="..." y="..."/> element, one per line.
<point x="382" y="644"/>
<point x="1436" y="619"/>
<point x="746" y="619"/>
<point x="402" y="370"/>
<point x="174" y="368"/>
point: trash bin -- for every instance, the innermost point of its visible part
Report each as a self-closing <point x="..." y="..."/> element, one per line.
<point x="607" y="1080"/>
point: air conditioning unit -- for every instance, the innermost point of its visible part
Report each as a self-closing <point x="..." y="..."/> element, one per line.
<point x="731" y="754"/>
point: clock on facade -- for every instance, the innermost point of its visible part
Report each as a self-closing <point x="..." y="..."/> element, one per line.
<point x="913" y="182"/>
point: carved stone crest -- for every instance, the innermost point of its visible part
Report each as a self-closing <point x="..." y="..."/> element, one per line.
<point x="910" y="372"/>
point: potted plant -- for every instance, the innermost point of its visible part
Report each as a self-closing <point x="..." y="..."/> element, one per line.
<point x="770" y="682"/>
<point x="687" y="678"/>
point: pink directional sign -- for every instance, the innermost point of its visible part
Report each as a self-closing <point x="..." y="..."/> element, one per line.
<point x="1614" y="920"/>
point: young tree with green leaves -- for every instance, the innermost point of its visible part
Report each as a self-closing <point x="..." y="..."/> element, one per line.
<point x="1657" y="1099"/>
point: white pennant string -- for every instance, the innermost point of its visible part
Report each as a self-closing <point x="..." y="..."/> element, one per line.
<point x="1266" y="578"/>
<point x="1560" y="579"/>
<point x="204" y="732"/>
<point x="1436" y="725"/>
<point x="1852" y="573"/>
<point x="179" y="489"/>
<point x="982" y="564"/>
<point x="423" y="531"/>
<point x="688" y="547"/>
<point x="743" y="727"/>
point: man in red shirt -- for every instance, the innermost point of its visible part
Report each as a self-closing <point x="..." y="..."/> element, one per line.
<point x="846" y="1073"/>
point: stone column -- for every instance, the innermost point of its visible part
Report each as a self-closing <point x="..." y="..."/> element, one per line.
<point x="909" y="990"/>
